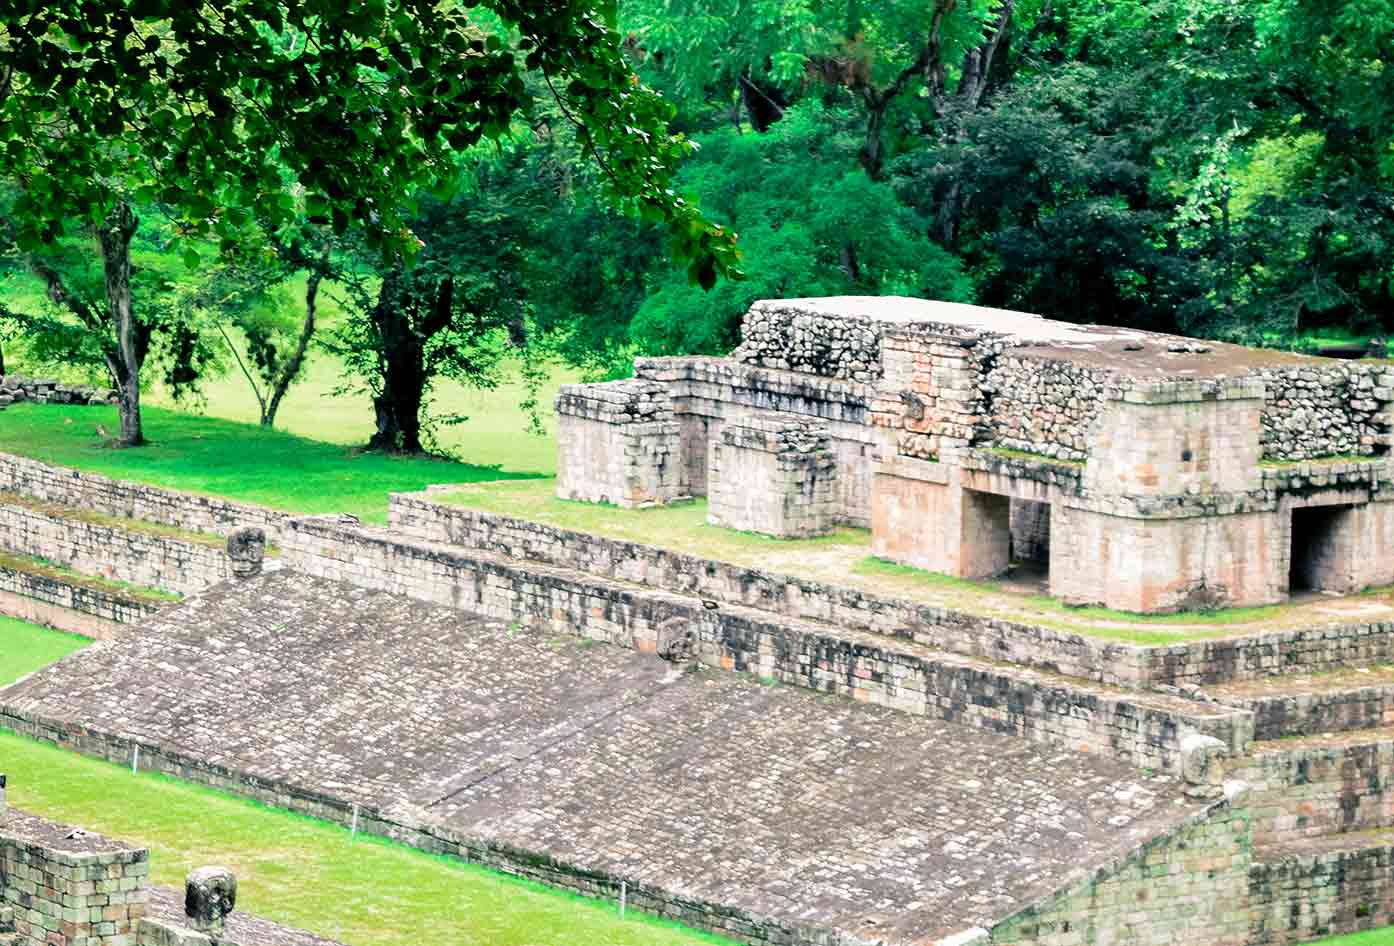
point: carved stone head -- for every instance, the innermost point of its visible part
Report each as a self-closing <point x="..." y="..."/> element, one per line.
<point x="246" y="547"/>
<point x="210" y="893"/>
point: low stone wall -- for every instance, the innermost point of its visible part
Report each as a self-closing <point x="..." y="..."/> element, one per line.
<point x="68" y="606"/>
<point x="124" y="499"/>
<point x="141" y="558"/>
<point x="1319" y="787"/>
<point x="1143" y="731"/>
<point x="1043" y="405"/>
<point x="15" y="387"/>
<point x="1189" y="888"/>
<point x="1310" y="650"/>
<point x="70" y="892"/>
<point x="1309" y="714"/>
<point x="416" y="516"/>
<point x="619" y="443"/>
<point x="1297" y="896"/>
<point x="775" y="335"/>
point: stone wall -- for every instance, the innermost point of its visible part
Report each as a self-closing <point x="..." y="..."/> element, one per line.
<point x="1309" y="714"/>
<point x="619" y="443"/>
<point x="1257" y="657"/>
<point x="1327" y="410"/>
<point x="70" y="892"/>
<point x="1298" y="896"/>
<point x="1188" y="888"/>
<point x="707" y="392"/>
<point x="1142" y="730"/>
<point x="127" y="500"/>
<point x="1319" y="787"/>
<point x="141" y="558"/>
<point x="416" y="516"/>
<point x="68" y="605"/>
<point x="14" y="388"/>
<point x="772" y="475"/>
<point x="774" y="335"/>
<point x="1042" y="405"/>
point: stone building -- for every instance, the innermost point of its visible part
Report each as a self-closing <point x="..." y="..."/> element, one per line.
<point x="1146" y="472"/>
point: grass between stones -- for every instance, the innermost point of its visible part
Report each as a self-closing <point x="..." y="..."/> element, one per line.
<point x="37" y="565"/>
<point x="26" y="647"/>
<point x="307" y="873"/>
<point x="229" y="459"/>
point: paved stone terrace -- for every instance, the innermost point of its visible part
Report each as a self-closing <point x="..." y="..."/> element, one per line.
<point x="803" y="808"/>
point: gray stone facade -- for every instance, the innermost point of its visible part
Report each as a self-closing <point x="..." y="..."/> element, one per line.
<point x="774" y="476"/>
<point x="619" y="444"/>
<point x="1158" y="456"/>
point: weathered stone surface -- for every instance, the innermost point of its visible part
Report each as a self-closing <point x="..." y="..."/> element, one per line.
<point x="246" y="548"/>
<point x="791" y="811"/>
<point x="210" y="894"/>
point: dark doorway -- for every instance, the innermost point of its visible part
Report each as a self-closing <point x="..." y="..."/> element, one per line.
<point x="1321" y="549"/>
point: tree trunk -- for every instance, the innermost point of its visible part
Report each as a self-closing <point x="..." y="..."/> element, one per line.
<point x="398" y="404"/>
<point x="873" y="153"/>
<point x="291" y="369"/>
<point x="124" y="362"/>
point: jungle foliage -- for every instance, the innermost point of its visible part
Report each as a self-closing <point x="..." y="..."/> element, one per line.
<point x="1200" y="166"/>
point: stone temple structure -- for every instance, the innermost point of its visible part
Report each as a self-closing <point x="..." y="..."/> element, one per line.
<point x="1147" y="472"/>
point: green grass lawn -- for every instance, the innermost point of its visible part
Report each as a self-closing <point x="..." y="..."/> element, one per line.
<point x="307" y="873"/>
<point x="26" y="647"/>
<point x="1384" y="937"/>
<point x="240" y="461"/>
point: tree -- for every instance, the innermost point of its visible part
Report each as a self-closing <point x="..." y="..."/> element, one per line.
<point x="278" y="108"/>
<point x="457" y="309"/>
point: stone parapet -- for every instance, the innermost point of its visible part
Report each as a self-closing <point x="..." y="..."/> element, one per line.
<point x="69" y="605"/>
<point x="777" y="335"/>
<point x="1303" y="892"/>
<point x="1322" y="409"/>
<point x="127" y="500"/>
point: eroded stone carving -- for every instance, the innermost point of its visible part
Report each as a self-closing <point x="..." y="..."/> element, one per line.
<point x="210" y="893"/>
<point x="246" y="548"/>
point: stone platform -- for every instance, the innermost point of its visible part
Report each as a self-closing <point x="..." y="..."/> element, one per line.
<point x="767" y="812"/>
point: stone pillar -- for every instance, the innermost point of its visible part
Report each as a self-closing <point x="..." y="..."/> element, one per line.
<point x="774" y="476"/>
<point x="619" y="443"/>
<point x="922" y="516"/>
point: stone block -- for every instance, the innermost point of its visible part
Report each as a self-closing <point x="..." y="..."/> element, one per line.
<point x="772" y="475"/>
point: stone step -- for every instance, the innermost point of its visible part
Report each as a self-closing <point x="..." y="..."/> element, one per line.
<point x="1351" y="699"/>
<point x="1325" y="886"/>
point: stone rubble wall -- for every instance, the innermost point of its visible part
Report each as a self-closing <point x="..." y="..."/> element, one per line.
<point x="72" y="899"/>
<point x="69" y="606"/>
<point x="1259" y="657"/>
<point x="1144" y="732"/>
<point x="1304" y="896"/>
<point x="141" y="558"/>
<point x="774" y="476"/>
<point x="1322" y="411"/>
<point x="1187" y="888"/>
<point x="128" y="500"/>
<point x="15" y="387"/>
<point x="1319" y="788"/>
<point x="619" y="443"/>
<point x="1043" y="406"/>
<point x="774" y="335"/>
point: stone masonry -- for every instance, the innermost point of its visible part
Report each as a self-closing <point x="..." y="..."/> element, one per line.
<point x="620" y="444"/>
<point x="1154" y="468"/>
<point x="772" y="475"/>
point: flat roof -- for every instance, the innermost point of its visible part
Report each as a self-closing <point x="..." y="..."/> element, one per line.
<point x="1127" y="352"/>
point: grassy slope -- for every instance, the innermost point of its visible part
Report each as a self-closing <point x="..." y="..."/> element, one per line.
<point x="240" y="461"/>
<point x="25" y="648"/>
<point x="307" y="873"/>
<point x="1384" y="937"/>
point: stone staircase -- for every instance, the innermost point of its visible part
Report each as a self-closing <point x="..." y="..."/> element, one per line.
<point x="1321" y="771"/>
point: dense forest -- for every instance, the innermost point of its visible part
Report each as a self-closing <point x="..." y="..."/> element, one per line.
<point x="591" y="184"/>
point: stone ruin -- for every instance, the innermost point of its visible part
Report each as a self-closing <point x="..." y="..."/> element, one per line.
<point x="1145" y="472"/>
